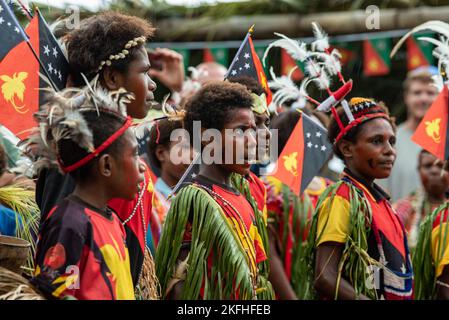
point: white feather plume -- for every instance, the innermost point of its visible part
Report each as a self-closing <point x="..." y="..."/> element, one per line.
<point x="441" y="52"/>
<point x="195" y="73"/>
<point x="285" y="88"/>
<point x="73" y="126"/>
<point x="331" y="62"/>
<point x="312" y="69"/>
<point x="294" y="48"/>
<point x="323" y="82"/>
<point x="322" y="40"/>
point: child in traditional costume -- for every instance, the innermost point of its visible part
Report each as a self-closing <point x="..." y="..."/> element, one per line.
<point x="82" y="248"/>
<point x="422" y="202"/>
<point x="357" y="247"/>
<point x="210" y="246"/>
<point x="110" y="46"/>
<point x="431" y="256"/>
<point x="160" y="150"/>
<point x="250" y="185"/>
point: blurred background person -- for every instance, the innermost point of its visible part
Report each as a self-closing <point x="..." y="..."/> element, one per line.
<point x="430" y="195"/>
<point x="419" y="93"/>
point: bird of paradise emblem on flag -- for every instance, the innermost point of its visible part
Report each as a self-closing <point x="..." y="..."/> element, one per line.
<point x="433" y="129"/>
<point x="13" y="90"/>
<point x="290" y="163"/>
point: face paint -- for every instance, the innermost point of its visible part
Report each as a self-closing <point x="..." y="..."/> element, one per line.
<point x="373" y="153"/>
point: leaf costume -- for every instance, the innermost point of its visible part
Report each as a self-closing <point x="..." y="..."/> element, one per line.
<point x="255" y="192"/>
<point x="360" y="217"/>
<point x="215" y="223"/>
<point x="432" y="252"/>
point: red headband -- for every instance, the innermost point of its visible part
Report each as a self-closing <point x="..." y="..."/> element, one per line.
<point x="101" y="148"/>
<point x="359" y="121"/>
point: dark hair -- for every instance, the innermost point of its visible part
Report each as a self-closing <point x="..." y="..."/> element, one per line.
<point x="214" y="104"/>
<point x="160" y="136"/>
<point x="421" y="153"/>
<point x="99" y="37"/>
<point x="250" y="83"/>
<point x="3" y="159"/>
<point x="351" y="135"/>
<point x="285" y="123"/>
<point x="102" y="127"/>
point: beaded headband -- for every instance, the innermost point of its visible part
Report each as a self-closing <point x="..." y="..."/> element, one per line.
<point x="122" y="54"/>
<point x="361" y="110"/>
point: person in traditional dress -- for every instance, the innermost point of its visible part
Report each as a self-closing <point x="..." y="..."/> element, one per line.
<point x="210" y="246"/>
<point x="431" y="256"/>
<point x="82" y="249"/>
<point x="251" y="185"/>
<point x="422" y="202"/>
<point x="162" y="150"/>
<point x="110" y="47"/>
<point x="357" y="247"/>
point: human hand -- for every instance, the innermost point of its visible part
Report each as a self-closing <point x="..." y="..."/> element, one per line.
<point x="171" y="68"/>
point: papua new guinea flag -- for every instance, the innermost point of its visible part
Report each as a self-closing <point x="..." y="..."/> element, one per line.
<point x="305" y="152"/>
<point x="376" y="58"/>
<point x="19" y="84"/>
<point x="431" y="133"/>
<point x="247" y="63"/>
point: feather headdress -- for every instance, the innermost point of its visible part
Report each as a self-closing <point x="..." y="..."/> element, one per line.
<point x="62" y="118"/>
<point x="286" y="90"/>
<point x="321" y="65"/>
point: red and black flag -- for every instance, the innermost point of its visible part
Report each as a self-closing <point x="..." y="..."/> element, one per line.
<point x="19" y="79"/>
<point x="20" y="96"/>
<point x="247" y="63"/>
<point x="11" y="31"/>
<point x="51" y="56"/>
<point x="432" y="132"/>
<point x="306" y="151"/>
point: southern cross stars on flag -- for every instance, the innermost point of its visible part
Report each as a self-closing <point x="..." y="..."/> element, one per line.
<point x="20" y="96"/>
<point x="305" y="152"/>
<point x="10" y="30"/>
<point x="247" y="63"/>
<point x="243" y="66"/>
<point x="51" y="55"/>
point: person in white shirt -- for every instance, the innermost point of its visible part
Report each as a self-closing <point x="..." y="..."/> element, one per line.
<point x="419" y="93"/>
